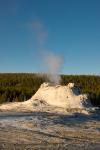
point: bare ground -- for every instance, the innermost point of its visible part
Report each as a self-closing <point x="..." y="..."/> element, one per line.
<point x="45" y="130"/>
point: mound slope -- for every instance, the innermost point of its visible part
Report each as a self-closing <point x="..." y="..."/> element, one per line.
<point x="52" y="96"/>
<point x="62" y="96"/>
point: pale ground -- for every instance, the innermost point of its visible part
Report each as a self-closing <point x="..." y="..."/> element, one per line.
<point x="56" y="117"/>
<point x="45" y="130"/>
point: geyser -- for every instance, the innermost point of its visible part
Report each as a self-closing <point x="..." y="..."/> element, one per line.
<point x="50" y="60"/>
<point x="62" y="96"/>
<point x="53" y="98"/>
<point x="53" y="64"/>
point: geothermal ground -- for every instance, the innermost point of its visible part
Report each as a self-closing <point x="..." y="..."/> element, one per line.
<point x="39" y="123"/>
<point x="42" y="130"/>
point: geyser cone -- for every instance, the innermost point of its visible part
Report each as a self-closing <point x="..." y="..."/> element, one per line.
<point x="55" y="98"/>
<point x="62" y="96"/>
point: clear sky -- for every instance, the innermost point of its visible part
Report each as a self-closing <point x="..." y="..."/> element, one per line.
<point x="68" y="28"/>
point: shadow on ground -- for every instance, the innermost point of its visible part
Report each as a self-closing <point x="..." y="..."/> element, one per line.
<point x="47" y="117"/>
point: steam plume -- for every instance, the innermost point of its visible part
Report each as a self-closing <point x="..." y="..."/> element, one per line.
<point x="51" y="61"/>
<point x="40" y="32"/>
<point x="53" y="64"/>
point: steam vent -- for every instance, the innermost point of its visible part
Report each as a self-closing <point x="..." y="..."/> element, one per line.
<point x="62" y="96"/>
<point x="53" y="98"/>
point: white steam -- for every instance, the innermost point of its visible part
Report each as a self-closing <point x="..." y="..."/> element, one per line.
<point x="39" y="32"/>
<point x="51" y="61"/>
<point x="53" y="65"/>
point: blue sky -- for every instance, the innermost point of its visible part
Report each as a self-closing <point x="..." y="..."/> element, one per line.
<point x="67" y="28"/>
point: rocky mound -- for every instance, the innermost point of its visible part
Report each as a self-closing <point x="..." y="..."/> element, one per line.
<point x="52" y="98"/>
<point x="62" y="96"/>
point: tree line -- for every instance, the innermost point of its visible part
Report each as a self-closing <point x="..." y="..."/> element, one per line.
<point x="17" y="87"/>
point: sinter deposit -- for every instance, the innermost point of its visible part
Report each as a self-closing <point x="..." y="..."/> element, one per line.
<point x="62" y="96"/>
<point x="52" y="96"/>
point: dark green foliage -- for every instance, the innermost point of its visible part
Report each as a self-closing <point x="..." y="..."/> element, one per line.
<point x="21" y="86"/>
